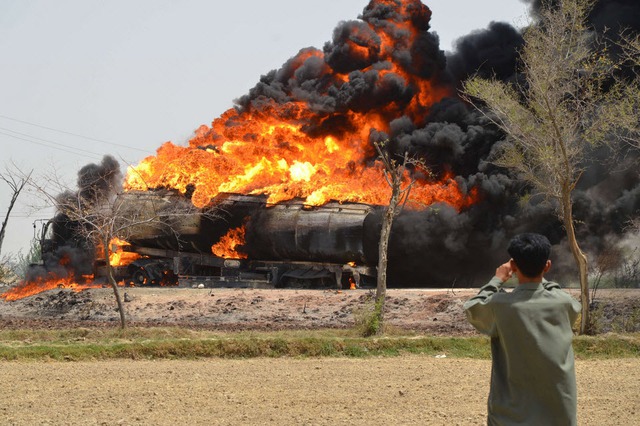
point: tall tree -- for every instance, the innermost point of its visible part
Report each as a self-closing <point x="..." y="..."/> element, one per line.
<point x="562" y="106"/>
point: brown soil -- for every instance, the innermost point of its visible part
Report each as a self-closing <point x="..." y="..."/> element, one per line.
<point x="429" y="311"/>
<point x="408" y="390"/>
<point x="402" y="390"/>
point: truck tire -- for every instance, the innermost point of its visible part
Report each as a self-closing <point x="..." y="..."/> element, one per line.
<point x="140" y="278"/>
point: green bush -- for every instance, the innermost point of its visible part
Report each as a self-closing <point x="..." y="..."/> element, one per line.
<point x="368" y="318"/>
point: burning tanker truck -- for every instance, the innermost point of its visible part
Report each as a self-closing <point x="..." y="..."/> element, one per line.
<point x="242" y="240"/>
<point x="305" y="136"/>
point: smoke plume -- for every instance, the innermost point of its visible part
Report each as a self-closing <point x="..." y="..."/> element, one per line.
<point x="385" y="73"/>
<point x="388" y="68"/>
<point x="441" y="245"/>
<point x="71" y="254"/>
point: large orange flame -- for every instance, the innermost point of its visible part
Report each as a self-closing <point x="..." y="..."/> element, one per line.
<point x="267" y="148"/>
<point x="51" y="281"/>
<point x="310" y="147"/>
<point x="29" y="288"/>
<point x="119" y="257"/>
<point x="229" y="245"/>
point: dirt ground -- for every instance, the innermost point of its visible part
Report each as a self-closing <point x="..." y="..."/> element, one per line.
<point x="425" y="310"/>
<point x="408" y="390"/>
<point x="404" y="390"/>
<point x="429" y="311"/>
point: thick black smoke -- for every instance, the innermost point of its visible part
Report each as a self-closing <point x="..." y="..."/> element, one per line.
<point x="68" y="252"/>
<point x="357" y="51"/>
<point x="607" y="197"/>
<point x="357" y="72"/>
<point x="440" y="246"/>
<point x="615" y="15"/>
<point x="486" y="53"/>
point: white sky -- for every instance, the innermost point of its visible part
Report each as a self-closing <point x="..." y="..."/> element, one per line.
<point x="128" y="75"/>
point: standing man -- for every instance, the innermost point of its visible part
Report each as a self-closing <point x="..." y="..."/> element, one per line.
<point x="533" y="378"/>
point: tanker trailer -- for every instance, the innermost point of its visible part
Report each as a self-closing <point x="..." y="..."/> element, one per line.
<point x="168" y="220"/>
<point x="330" y="233"/>
<point x="286" y="243"/>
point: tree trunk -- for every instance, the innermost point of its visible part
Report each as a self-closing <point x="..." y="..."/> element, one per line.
<point x="114" y="285"/>
<point x="16" y="192"/>
<point x="383" y="248"/>
<point x="580" y="258"/>
<point x="4" y="224"/>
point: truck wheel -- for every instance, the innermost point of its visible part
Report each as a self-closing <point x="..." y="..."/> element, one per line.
<point x="140" y="278"/>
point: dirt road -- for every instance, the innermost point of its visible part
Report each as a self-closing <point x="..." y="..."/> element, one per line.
<point x="407" y="390"/>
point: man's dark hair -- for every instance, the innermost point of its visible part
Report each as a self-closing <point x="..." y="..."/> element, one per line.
<point x="530" y="252"/>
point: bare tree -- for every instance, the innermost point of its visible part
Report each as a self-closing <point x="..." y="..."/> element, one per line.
<point x="98" y="211"/>
<point x="16" y="182"/>
<point x="563" y="106"/>
<point x="395" y="174"/>
<point x="101" y="220"/>
<point x="605" y="263"/>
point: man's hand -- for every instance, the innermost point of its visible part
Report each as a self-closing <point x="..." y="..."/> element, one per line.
<point x="504" y="271"/>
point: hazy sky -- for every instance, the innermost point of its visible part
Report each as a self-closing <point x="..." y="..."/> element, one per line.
<point x="84" y="78"/>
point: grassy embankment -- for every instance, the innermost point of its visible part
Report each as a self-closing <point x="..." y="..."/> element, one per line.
<point x="174" y="343"/>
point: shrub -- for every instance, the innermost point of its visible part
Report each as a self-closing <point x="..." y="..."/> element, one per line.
<point x="368" y="318"/>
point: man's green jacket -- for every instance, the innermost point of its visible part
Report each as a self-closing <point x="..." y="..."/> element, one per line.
<point x="532" y="374"/>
